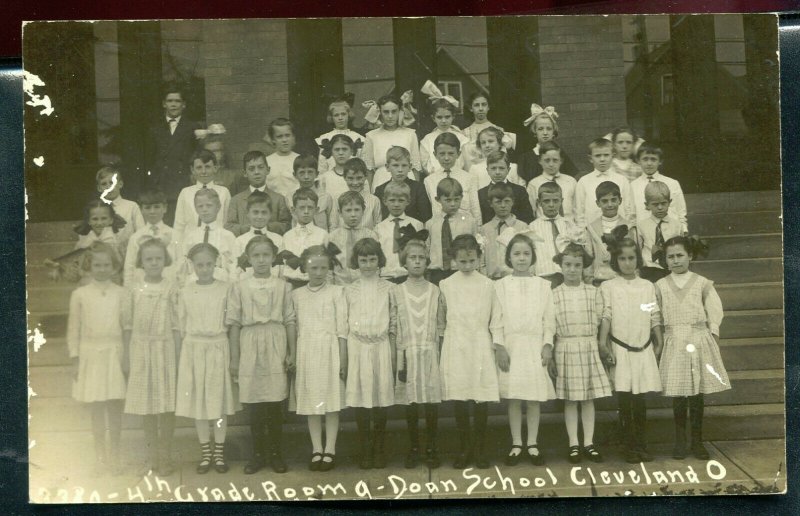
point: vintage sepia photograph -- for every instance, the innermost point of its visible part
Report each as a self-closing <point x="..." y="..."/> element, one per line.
<point x="404" y="258"/>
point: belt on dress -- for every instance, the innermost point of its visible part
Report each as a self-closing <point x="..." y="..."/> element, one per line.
<point x="631" y="348"/>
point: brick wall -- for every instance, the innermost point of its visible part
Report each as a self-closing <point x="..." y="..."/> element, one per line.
<point x="582" y="77"/>
<point x="246" y="79"/>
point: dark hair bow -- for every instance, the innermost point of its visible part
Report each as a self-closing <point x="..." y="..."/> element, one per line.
<point x="613" y="239"/>
<point x="408" y="233"/>
<point x="332" y="250"/>
<point x="326" y="148"/>
<point x="698" y="247"/>
<point x="287" y="258"/>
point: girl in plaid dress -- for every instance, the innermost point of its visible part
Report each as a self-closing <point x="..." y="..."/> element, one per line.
<point x="580" y="377"/>
<point x="691" y="365"/>
<point x="151" y="353"/>
<point x="632" y="322"/>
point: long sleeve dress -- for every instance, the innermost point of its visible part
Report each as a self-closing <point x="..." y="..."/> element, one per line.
<point x="691" y="362"/>
<point x="418" y="340"/>
<point x="632" y="308"/>
<point x="321" y="322"/>
<point x="205" y="388"/>
<point x="262" y="307"/>
<point x="581" y="375"/>
<point x="148" y="312"/>
<point x="471" y="320"/>
<point x="94" y="336"/>
<point x="372" y="317"/>
<point x="528" y="323"/>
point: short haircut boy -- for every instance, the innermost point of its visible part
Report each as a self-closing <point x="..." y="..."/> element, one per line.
<point x="209" y="193"/>
<point x="304" y="161"/>
<point x="656" y="190"/>
<point x="500" y="191"/>
<point x="252" y="156"/>
<point x="548" y="146"/>
<point x="279" y="122"/>
<point x="605" y="188"/>
<point x="496" y="157"/>
<point x="549" y="187"/>
<point x="649" y="148"/>
<point x="449" y="187"/>
<point x="305" y="194"/>
<point x="108" y="170"/>
<point x="397" y="153"/>
<point x="204" y="156"/>
<point x="259" y="197"/>
<point x="350" y="197"/>
<point x="447" y="139"/>
<point x="172" y="87"/>
<point x="401" y="190"/>
<point x="600" y="143"/>
<point x="151" y="197"/>
<point x="355" y="165"/>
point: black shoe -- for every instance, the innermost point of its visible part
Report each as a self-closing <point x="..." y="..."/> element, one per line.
<point x="679" y="451"/>
<point x="412" y="458"/>
<point x="699" y="451"/>
<point x="313" y="465"/>
<point x="631" y="455"/>
<point x="482" y="460"/>
<point x="537" y="459"/>
<point x="644" y="455"/>
<point x="432" y="458"/>
<point x="513" y="459"/>
<point x="591" y="453"/>
<point x="255" y="464"/>
<point x="574" y="455"/>
<point x="277" y="463"/>
<point x="365" y="462"/>
<point x="327" y="465"/>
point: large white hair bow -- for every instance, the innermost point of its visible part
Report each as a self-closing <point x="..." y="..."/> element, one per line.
<point x="636" y="144"/>
<point x="536" y="110"/>
<point x="213" y="129"/>
<point x="373" y="113"/>
<point x="407" y="110"/>
<point x="509" y="141"/>
<point x="573" y="235"/>
<point x="434" y="93"/>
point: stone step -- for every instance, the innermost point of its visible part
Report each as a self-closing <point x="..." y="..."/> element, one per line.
<point x="752" y="324"/>
<point x="729" y="247"/>
<point x="751" y="270"/>
<point x="736" y="223"/>
<point x="61" y="231"/>
<point x="751" y="296"/>
<point x="726" y="202"/>
<point x="752" y="353"/>
<point x="37" y="252"/>
<point x="739" y="402"/>
<point x="52" y="297"/>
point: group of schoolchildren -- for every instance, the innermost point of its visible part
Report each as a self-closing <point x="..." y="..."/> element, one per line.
<point x="386" y="271"/>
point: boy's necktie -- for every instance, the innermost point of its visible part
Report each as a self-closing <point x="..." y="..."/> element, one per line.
<point x="659" y="234"/>
<point x="555" y="233"/>
<point x="205" y="234"/>
<point x="154" y="230"/>
<point x="258" y="232"/>
<point x="447" y="241"/>
<point x="396" y="236"/>
<point x="500" y="226"/>
<point x="173" y="123"/>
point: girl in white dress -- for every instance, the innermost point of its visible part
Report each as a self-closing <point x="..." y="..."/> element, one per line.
<point x="371" y="349"/>
<point x="691" y="365"/>
<point x="442" y="112"/>
<point x="528" y="328"/>
<point x="262" y="336"/>
<point x="625" y="143"/>
<point x="94" y="339"/>
<point x="418" y="383"/>
<point x="332" y="182"/>
<point x="151" y="354"/>
<point x="340" y="114"/>
<point x="490" y="140"/>
<point x="471" y="325"/>
<point x="205" y="369"/>
<point x="391" y="132"/>
<point x="321" y="352"/>
<point x="478" y="105"/>
<point x="632" y="322"/>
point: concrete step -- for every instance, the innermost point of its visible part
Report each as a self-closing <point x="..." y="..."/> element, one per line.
<point x="751" y="296"/>
<point x="751" y="270"/>
<point x="735" y="223"/>
<point x="728" y="247"/>
<point x="51" y="297"/>
<point x="61" y="231"/>
<point x="726" y="202"/>
<point x="721" y="422"/>
<point x="752" y="324"/>
<point x="37" y="252"/>
<point x="752" y="353"/>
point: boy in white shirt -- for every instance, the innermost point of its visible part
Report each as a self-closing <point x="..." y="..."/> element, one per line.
<point x="259" y="213"/>
<point x="650" y="159"/>
<point x="304" y="234"/>
<point x="207" y="205"/>
<point x="204" y="168"/>
<point x="280" y="134"/>
<point x="655" y="230"/>
<point x="586" y="209"/>
<point x="154" y="207"/>
<point x="396" y="197"/>
<point x="447" y="148"/>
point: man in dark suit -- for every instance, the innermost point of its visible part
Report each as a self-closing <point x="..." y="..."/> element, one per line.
<point x="497" y="166"/>
<point x="170" y="144"/>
